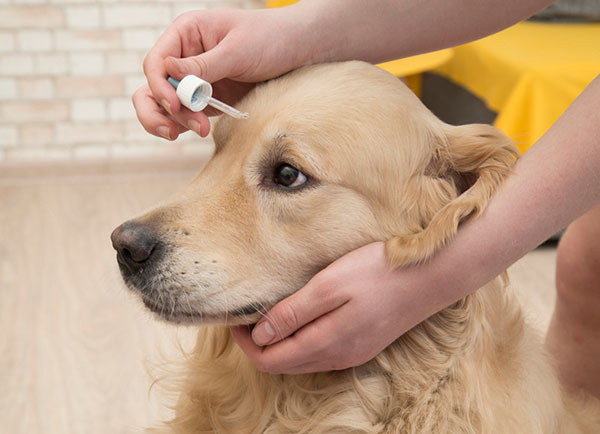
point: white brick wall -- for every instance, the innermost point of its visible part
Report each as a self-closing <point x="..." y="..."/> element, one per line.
<point x="43" y="17"/>
<point x="85" y="17"/>
<point x="8" y="136"/>
<point x="124" y="62"/>
<point x="121" y="108"/>
<point x="48" y="64"/>
<point x="136" y="15"/>
<point x="88" y="40"/>
<point x="35" y="40"/>
<point x="68" y="69"/>
<point x="82" y="63"/>
<point x="7" y="41"/>
<point x="138" y="39"/>
<point x="88" y="109"/>
<point x="8" y="88"/>
<point x="16" y="64"/>
<point x="36" y="135"/>
<point x="36" y="88"/>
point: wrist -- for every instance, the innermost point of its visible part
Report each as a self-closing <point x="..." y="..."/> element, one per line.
<point x="317" y="32"/>
<point x="463" y="265"/>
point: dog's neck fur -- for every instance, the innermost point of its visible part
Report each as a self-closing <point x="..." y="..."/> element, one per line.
<point x="417" y="385"/>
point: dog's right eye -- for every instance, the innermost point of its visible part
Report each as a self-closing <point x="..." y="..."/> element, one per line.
<point x="289" y="177"/>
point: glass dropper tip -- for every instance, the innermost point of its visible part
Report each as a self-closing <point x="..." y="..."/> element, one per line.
<point x="227" y="109"/>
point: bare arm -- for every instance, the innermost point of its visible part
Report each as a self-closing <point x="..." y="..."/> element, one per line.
<point x="381" y="30"/>
<point x="555" y="182"/>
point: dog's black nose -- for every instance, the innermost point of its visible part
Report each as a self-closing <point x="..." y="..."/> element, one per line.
<point x="134" y="243"/>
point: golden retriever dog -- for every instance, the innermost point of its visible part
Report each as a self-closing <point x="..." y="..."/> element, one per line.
<point x="333" y="157"/>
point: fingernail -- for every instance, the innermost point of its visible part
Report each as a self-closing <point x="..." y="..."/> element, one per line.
<point x="263" y="333"/>
<point x="164" y="132"/>
<point x="166" y="105"/>
<point x="194" y="125"/>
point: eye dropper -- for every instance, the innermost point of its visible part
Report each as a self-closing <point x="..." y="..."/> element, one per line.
<point x="196" y="94"/>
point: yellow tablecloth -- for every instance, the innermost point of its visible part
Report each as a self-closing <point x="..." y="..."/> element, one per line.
<point x="410" y="68"/>
<point x="529" y="73"/>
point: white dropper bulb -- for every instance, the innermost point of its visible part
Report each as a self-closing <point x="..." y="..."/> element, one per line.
<point x="196" y="94"/>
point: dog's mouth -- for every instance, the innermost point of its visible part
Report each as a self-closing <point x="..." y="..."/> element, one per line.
<point x="171" y="311"/>
<point x="174" y="298"/>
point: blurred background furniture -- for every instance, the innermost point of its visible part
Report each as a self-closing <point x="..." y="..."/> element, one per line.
<point x="529" y="73"/>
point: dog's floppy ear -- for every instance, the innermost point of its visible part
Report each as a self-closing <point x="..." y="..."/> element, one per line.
<point x="464" y="172"/>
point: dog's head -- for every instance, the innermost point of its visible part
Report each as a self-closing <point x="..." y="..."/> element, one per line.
<point x="333" y="157"/>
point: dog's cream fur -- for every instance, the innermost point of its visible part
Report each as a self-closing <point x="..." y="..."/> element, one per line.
<point x="380" y="166"/>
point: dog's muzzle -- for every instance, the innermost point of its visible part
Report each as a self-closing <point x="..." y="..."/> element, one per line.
<point x="136" y="245"/>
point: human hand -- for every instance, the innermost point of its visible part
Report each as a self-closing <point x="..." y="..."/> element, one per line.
<point x="345" y="316"/>
<point x="232" y="49"/>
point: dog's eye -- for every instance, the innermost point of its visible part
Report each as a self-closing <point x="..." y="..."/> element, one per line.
<point x="288" y="176"/>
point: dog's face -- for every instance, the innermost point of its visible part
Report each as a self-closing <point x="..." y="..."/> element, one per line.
<point x="329" y="160"/>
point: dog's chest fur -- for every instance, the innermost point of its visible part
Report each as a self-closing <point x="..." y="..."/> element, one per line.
<point x="473" y="366"/>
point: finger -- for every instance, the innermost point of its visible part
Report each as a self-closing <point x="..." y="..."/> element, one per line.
<point x="195" y="121"/>
<point x="152" y="116"/>
<point x="212" y="65"/>
<point x="242" y="336"/>
<point x="272" y="359"/>
<point x="169" y="44"/>
<point x="316" y="345"/>
<point x="308" y="368"/>
<point x="318" y="297"/>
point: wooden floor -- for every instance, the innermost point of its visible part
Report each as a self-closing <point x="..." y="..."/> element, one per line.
<point x="74" y="344"/>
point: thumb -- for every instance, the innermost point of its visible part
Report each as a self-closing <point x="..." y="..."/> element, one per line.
<point x="314" y="300"/>
<point x="211" y="65"/>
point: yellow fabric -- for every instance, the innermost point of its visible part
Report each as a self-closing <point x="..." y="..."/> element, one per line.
<point x="279" y="3"/>
<point x="415" y="64"/>
<point x="412" y="67"/>
<point x="529" y="73"/>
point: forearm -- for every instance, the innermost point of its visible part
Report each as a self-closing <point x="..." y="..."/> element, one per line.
<point x="554" y="183"/>
<point x="381" y="30"/>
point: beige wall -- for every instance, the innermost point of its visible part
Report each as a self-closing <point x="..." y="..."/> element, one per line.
<point x="68" y="69"/>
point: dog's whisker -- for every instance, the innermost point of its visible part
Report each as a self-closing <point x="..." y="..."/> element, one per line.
<point x="189" y="305"/>
<point x="271" y="319"/>
<point x="262" y="309"/>
<point x="226" y="308"/>
<point x="161" y="302"/>
<point x="173" y="303"/>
